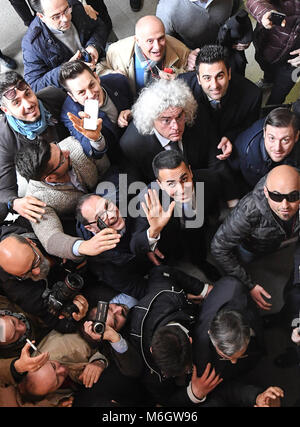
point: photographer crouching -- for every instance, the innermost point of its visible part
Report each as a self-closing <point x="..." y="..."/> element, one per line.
<point x="41" y="285"/>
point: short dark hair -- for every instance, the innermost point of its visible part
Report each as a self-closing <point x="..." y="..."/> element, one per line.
<point x="32" y="159"/>
<point x="79" y="217"/>
<point x="36" y="5"/>
<point x="8" y="79"/>
<point x="171" y="350"/>
<point x="282" y="117"/>
<point x="72" y="69"/>
<point x="167" y="159"/>
<point x="209" y="54"/>
<point x="229" y="331"/>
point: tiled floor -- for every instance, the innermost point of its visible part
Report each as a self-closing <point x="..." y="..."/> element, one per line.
<point x="270" y="271"/>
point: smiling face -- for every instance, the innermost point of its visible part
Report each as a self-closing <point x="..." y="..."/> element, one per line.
<point x="24" y="106"/>
<point x="214" y="79"/>
<point x="85" y="86"/>
<point x="151" y="38"/>
<point x="97" y="207"/>
<point x="279" y="141"/>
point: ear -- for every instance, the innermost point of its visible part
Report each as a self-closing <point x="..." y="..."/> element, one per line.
<point x="191" y="172"/>
<point x="30" y="241"/>
<point x="229" y="74"/>
<point x="41" y="16"/>
<point x="159" y="183"/>
<point x="198" y="78"/>
<point x="297" y="136"/>
<point x="88" y="227"/>
<point x="4" y="109"/>
<point x="266" y="192"/>
<point x="150" y="349"/>
<point x="191" y="340"/>
<point x="50" y="178"/>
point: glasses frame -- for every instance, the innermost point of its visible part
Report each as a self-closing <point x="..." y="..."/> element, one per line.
<point x="58" y="16"/>
<point x="279" y="197"/>
<point x="62" y="160"/>
<point x="101" y="224"/>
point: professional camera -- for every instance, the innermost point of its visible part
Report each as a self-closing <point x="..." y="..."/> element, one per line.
<point x="101" y="316"/>
<point x="59" y="298"/>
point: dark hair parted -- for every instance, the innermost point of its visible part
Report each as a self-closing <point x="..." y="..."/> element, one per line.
<point x="167" y="159"/>
<point x="282" y="117"/>
<point x="210" y="54"/>
<point x="70" y="70"/>
<point x="32" y="159"/>
<point x="171" y="350"/>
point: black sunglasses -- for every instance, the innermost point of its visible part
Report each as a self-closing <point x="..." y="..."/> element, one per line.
<point x="11" y="93"/>
<point x="294" y="196"/>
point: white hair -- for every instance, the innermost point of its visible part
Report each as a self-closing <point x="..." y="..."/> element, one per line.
<point x="157" y="98"/>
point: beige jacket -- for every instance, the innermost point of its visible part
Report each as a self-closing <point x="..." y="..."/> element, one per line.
<point x="120" y="56"/>
<point x="61" y="200"/>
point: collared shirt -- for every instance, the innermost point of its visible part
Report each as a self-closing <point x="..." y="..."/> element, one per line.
<point x="165" y="141"/>
<point x="203" y="4"/>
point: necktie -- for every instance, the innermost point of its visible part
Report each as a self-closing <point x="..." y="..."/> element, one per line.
<point x="216" y="105"/>
<point x="174" y="146"/>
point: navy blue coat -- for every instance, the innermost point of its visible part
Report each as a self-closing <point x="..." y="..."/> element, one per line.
<point x="117" y="88"/>
<point x="43" y="53"/>
<point x="251" y="158"/>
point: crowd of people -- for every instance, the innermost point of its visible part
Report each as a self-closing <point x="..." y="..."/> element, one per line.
<point x="184" y="163"/>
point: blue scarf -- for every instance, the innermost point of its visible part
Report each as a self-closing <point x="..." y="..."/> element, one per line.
<point x="31" y="130"/>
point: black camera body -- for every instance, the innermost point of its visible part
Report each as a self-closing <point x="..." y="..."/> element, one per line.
<point x="85" y="56"/>
<point x="101" y="316"/>
<point x="59" y="298"/>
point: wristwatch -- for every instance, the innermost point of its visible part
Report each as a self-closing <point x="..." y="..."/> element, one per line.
<point x="10" y="204"/>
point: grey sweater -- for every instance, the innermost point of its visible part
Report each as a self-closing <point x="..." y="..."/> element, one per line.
<point x="194" y="25"/>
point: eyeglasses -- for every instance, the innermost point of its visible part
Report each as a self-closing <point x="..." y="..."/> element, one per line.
<point x="294" y="196"/>
<point x="58" y="16"/>
<point x="35" y="264"/>
<point x="62" y="160"/>
<point x="11" y="93"/>
<point x="103" y="215"/>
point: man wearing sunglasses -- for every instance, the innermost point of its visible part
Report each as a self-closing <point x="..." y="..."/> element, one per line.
<point x="58" y="33"/>
<point x="265" y="220"/>
<point x="28" y="116"/>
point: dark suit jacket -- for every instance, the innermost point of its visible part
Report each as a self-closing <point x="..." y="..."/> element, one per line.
<point x="199" y="147"/>
<point x="240" y="106"/>
<point x="227" y="292"/>
<point x="118" y="90"/>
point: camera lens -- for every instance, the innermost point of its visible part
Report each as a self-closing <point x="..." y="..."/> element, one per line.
<point x="99" y="328"/>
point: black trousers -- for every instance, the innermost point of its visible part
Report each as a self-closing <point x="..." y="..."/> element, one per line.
<point x="100" y="7"/>
<point x="23" y="10"/>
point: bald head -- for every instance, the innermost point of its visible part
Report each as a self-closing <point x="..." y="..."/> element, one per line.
<point x="283" y="182"/>
<point x="151" y="38"/>
<point x="21" y="257"/>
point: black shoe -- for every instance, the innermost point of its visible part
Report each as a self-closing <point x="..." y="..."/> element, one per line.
<point x="8" y="62"/>
<point x="287" y="359"/>
<point x="136" y="5"/>
<point x="211" y="272"/>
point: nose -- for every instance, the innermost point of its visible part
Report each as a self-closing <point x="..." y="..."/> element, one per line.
<point x="214" y="83"/>
<point x="26" y="103"/>
<point x="155" y="45"/>
<point x="174" y="124"/>
<point x="277" y="145"/>
<point x="284" y="203"/>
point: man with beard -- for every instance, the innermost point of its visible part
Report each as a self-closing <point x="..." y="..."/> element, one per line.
<point x="25" y="275"/>
<point x="27" y="118"/>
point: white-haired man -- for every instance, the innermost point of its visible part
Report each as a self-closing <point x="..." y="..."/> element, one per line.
<point x="168" y="122"/>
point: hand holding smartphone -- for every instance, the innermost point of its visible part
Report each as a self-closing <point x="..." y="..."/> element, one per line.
<point x="91" y="107"/>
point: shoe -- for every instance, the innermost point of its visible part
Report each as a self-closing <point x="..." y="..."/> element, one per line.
<point x="8" y="62"/>
<point x="136" y="5"/>
<point x="287" y="359"/>
<point x="211" y="272"/>
<point x="264" y="84"/>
